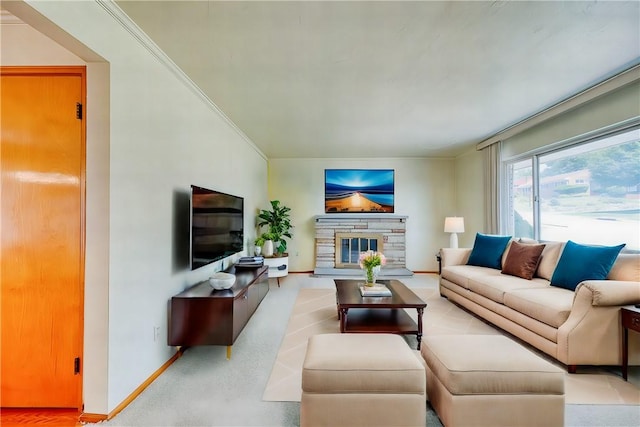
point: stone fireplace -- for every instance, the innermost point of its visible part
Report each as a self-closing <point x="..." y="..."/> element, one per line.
<point x="341" y="237"/>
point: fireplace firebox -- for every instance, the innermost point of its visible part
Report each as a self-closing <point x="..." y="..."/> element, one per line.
<point x="349" y="246"/>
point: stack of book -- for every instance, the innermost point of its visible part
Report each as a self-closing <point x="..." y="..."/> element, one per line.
<point x="376" y="290"/>
<point x="250" y="262"/>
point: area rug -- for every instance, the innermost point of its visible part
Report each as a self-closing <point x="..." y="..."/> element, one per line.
<point x="314" y="312"/>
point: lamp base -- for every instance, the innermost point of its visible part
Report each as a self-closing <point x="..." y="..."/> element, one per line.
<point x="453" y="240"/>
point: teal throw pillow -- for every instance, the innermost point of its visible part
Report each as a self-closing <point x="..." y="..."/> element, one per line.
<point x="487" y="250"/>
<point x="581" y="262"/>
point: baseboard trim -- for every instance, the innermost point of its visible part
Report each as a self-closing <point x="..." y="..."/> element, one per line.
<point x="145" y="384"/>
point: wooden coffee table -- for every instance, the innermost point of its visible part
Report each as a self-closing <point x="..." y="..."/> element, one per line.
<point x="378" y="314"/>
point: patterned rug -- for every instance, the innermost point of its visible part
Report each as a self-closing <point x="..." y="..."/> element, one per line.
<point x="314" y="312"/>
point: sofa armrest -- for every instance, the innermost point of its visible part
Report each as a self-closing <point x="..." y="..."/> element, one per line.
<point x="592" y="333"/>
<point x="606" y="293"/>
<point x="454" y="256"/>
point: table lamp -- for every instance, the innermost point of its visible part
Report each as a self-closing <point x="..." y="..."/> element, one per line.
<point x="453" y="225"/>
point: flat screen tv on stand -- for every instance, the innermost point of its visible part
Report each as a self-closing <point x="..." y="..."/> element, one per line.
<point x="217" y="226"/>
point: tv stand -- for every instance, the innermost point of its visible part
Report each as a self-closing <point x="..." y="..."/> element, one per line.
<point x="201" y="315"/>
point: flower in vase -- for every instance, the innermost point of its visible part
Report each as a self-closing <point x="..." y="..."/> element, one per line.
<point x="368" y="261"/>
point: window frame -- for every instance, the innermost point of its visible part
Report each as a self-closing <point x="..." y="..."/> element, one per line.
<point x="534" y="156"/>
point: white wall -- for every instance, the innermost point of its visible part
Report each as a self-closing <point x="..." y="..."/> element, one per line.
<point x="424" y="191"/>
<point x="470" y="195"/>
<point x="162" y="137"/>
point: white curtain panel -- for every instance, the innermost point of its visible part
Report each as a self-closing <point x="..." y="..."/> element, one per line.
<point x="492" y="187"/>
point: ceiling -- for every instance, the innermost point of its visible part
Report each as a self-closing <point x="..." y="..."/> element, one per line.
<point x="306" y="79"/>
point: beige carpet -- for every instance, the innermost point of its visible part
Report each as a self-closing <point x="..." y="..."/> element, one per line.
<point x="314" y="312"/>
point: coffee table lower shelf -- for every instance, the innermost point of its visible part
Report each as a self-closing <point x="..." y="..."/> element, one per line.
<point x="377" y="320"/>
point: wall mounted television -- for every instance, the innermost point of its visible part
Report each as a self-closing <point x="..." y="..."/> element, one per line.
<point x="359" y="190"/>
<point x="217" y="226"/>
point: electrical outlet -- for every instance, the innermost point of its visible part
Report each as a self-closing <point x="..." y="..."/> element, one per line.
<point x="156" y="333"/>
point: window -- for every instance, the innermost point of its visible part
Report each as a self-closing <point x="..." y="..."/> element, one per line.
<point x="587" y="192"/>
<point x="520" y="215"/>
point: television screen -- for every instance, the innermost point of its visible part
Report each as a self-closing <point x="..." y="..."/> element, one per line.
<point x="358" y="190"/>
<point x="217" y="226"/>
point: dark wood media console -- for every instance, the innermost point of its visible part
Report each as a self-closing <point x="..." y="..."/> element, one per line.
<point x="201" y="315"/>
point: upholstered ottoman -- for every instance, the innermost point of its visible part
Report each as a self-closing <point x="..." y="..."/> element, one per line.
<point x="489" y="380"/>
<point x="362" y="380"/>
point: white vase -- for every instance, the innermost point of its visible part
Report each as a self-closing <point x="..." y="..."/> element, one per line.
<point x="257" y="250"/>
<point x="267" y="248"/>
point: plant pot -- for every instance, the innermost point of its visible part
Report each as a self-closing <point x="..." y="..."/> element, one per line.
<point x="257" y="250"/>
<point x="267" y="248"/>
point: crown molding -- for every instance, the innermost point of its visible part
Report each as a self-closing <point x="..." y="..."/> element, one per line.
<point x="128" y="24"/>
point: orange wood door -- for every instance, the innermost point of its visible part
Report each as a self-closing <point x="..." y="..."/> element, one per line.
<point x="42" y="267"/>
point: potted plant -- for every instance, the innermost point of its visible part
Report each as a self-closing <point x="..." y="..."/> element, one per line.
<point x="278" y="223"/>
<point x="268" y="244"/>
<point x="258" y="242"/>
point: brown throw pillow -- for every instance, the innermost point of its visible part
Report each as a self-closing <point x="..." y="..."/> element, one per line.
<point x="522" y="260"/>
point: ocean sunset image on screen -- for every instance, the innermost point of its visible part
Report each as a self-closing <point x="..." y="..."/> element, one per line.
<point x="358" y="190"/>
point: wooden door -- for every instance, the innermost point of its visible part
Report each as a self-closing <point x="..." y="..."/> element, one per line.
<point x="42" y="234"/>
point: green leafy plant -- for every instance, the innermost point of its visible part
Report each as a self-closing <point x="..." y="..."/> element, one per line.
<point x="278" y="223"/>
<point x="259" y="241"/>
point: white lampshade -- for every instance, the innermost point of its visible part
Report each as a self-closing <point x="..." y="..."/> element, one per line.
<point x="454" y="224"/>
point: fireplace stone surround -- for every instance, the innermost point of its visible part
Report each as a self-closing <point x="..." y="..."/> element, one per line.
<point x="391" y="227"/>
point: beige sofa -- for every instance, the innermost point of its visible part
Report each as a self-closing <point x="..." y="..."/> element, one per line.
<point x="575" y="328"/>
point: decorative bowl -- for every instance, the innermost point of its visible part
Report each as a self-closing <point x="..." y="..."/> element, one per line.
<point x="222" y="280"/>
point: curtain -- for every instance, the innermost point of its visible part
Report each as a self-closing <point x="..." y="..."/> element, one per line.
<point x="492" y="188"/>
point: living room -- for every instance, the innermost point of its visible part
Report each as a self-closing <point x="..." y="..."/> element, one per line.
<point x="151" y="132"/>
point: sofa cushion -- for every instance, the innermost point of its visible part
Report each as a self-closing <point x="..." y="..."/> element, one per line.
<point x="581" y="262"/>
<point x="522" y="260"/>
<point x="488" y="250"/>
<point x="361" y="363"/>
<point x="626" y="267"/>
<point x="528" y="241"/>
<point x="505" y="253"/>
<point x="489" y="365"/>
<point x="495" y="286"/>
<point x="460" y="274"/>
<point x="549" y="259"/>
<point x="548" y="305"/>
